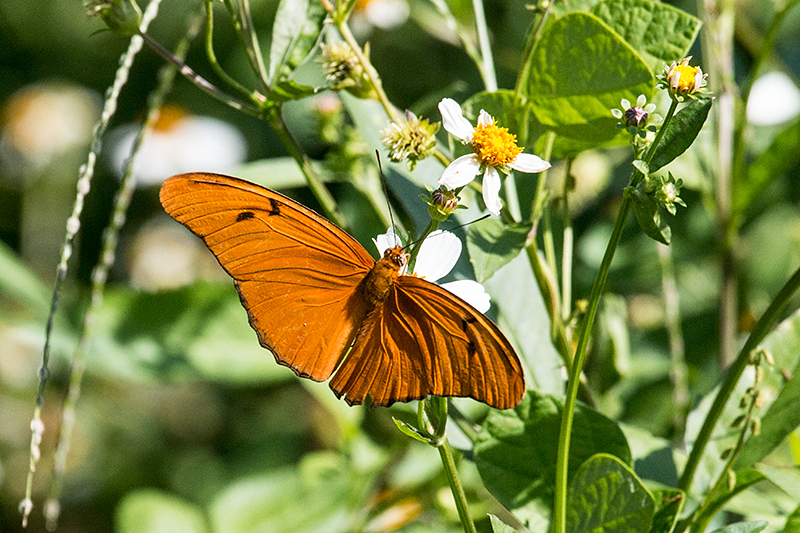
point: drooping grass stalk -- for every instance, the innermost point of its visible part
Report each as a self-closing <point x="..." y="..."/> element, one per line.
<point x="251" y="44"/>
<point x="99" y="277"/>
<point x="212" y="57"/>
<point x="758" y="333"/>
<point x="73" y="226"/>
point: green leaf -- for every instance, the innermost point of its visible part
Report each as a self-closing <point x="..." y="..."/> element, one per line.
<point x="498" y="526"/>
<point x="196" y="331"/>
<point x="781" y="156"/>
<point x="492" y="245"/>
<point x="19" y="283"/>
<point x="785" y="478"/>
<point x="153" y="511"/>
<point x="681" y="132"/>
<point x="660" y="32"/>
<point x="743" y="527"/>
<point x="605" y="495"/>
<point x="320" y="496"/>
<point x="669" y="505"/>
<point x="781" y="416"/>
<point x="411" y="431"/>
<point x="793" y="522"/>
<point x="649" y="215"/>
<point x="516" y="450"/>
<point x="499" y="104"/>
<point x="744" y="480"/>
<point x="286" y="90"/>
<point x="580" y="70"/>
<point x="297" y="27"/>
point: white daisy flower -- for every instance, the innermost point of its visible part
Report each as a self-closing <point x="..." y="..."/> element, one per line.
<point x="437" y="256"/>
<point x="494" y="149"/>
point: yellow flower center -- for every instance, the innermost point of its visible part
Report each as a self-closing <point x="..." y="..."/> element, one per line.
<point x="686" y="79"/>
<point x="494" y="145"/>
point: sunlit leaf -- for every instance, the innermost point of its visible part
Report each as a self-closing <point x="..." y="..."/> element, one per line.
<point x="580" y="70"/>
<point x="516" y="449"/>
<point x="660" y="32"/>
<point x="743" y="527"/>
<point x="605" y="495"/>
<point x="668" y="507"/>
<point x="492" y="245"/>
<point x="152" y="511"/>
<point x="297" y="27"/>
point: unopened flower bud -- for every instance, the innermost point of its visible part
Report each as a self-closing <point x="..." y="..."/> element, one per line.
<point x="442" y="203"/>
<point x="681" y="80"/>
<point x="343" y="69"/>
<point x="635" y="116"/>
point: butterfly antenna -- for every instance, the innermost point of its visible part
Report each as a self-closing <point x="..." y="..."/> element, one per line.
<point x="484" y="217"/>
<point x="385" y="190"/>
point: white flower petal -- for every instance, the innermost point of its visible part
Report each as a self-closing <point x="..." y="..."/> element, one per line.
<point x="437" y="256"/>
<point x="641" y="100"/>
<point x="387" y="240"/>
<point x="471" y="292"/>
<point x="625" y="104"/>
<point x="491" y="191"/>
<point x="453" y="120"/>
<point x="484" y="118"/>
<point x="461" y="171"/>
<point x="529" y="163"/>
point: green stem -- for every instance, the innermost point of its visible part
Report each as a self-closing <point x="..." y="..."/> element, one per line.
<point x="200" y="82"/>
<point x="530" y="47"/>
<point x="648" y="156"/>
<point x="566" y="247"/>
<point x="212" y="57"/>
<point x="487" y="62"/>
<point x="562" y="463"/>
<point x="449" y="464"/>
<point x="313" y="181"/>
<point x="758" y="333"/>
<point x="250" y="40"/>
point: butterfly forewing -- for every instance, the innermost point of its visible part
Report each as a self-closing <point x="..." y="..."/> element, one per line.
<point x="297" y="274"/>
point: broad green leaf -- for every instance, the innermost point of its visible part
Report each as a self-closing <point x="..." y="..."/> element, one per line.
<point x="781" y="415"/>
<point x="516" y="449"/>
<point x="200" y="330"/>
<point x="19" y="283"/>
<point x="605" y="495"/>
<point x="793" y="522"/>
<point x="649" y="215"/>
<point x="499" y="104"/>
<point x="492" y="245"/>
<point x="781" y="156"/>
<point x="153" y="511"/>
<point x="668" y="507"/>
<point x="787" y="479"/>
<point x="498" y="526"/>
<point x="680" y="132"/>
<point x="660" y="32"/>
<point x="319" y="496"/>
<point x="580" y="70"/>
<point x="521" y="314"/>
<point x="297" y="27"/>
<point x="744" y="479"/>
<point x="743" y="527"/>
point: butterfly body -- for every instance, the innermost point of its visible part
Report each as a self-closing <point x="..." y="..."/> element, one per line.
<point x="324" y="307"/>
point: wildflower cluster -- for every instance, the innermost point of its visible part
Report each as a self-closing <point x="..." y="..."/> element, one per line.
<point x="639" y="120"/>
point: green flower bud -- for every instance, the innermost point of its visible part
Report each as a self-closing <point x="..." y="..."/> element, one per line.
<point x="123" y="17"/>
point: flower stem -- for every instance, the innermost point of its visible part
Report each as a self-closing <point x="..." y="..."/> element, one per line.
<point x="758" y="333"/>
<point x="487" y="62"/>
<point x="212" y="57"/>
<point x="446" y="454"/>
<point x="567" y="416"/>
<point x="313" y="181"/>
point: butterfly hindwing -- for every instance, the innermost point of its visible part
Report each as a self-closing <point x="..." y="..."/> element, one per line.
<point x="297" y="274"/>
<point x="423" y="341"/>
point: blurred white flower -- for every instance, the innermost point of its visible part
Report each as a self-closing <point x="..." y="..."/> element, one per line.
<point x="42" y="121"/>
<point x="437" y="256"/>
<point x="494" y="148"/>
<point x="178" y="142"/>
<point x="383" y="14"/>
<point x="774" y="99"/>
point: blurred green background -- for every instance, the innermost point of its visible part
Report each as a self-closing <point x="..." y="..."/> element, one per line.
<point x="179" y="399"/>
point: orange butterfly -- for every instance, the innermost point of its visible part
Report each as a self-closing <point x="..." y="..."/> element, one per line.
<point x="321" y="304"/>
